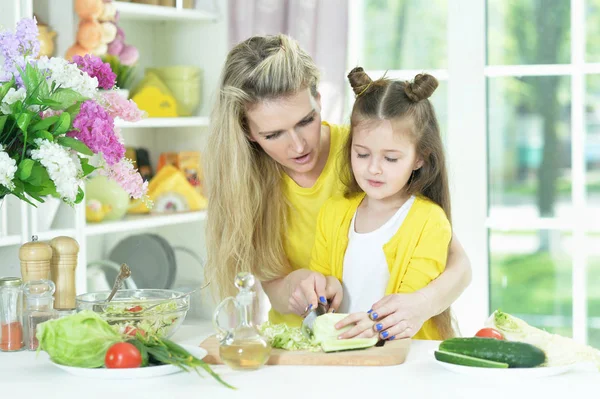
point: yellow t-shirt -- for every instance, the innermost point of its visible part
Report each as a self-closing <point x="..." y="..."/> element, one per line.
<point x="415" y="255"/>
<point x="305" y="204"/>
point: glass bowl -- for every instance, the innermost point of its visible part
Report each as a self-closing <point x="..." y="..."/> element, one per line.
<point x="129" y="311"/>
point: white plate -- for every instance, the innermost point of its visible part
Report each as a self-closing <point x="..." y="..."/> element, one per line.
<point x="534" y="372"/>
<point x="127" y="374"/>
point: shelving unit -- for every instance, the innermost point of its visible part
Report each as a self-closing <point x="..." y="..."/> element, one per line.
<point x="191" y="121"/>
<point x="131" y="223"/>
<point x="142" y="12"/>
<point x="8" y="241"/>
<point x="165" y="36"/>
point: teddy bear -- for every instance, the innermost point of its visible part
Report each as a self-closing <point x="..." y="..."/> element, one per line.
<point x="98" y="33"/>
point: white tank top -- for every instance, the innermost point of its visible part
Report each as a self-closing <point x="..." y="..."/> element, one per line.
<point x="366" y="273"/>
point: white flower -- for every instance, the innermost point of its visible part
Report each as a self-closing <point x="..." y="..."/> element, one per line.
<point x="8" y="168"/>
<point x="68" y="75"/>
<point x="10" y="98"/>
<point x="60" y="166"/>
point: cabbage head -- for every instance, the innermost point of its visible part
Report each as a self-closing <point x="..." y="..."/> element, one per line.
<point x="79" y="340"/>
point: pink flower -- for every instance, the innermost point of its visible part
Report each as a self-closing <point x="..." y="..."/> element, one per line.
<point x="118" y="106"/>
<point x="129" y="55"/>
<point x="127" y="177"/>
<point x="95" y="128"/>
<point x="94" y="67"/>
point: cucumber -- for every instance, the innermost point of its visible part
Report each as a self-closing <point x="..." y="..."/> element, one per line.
<point x="336" y="345"/>
<point x="464" y="360"/>
<point x="515" y="354"/>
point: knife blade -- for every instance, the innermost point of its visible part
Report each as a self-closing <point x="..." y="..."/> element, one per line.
<point x="309" y="320"/>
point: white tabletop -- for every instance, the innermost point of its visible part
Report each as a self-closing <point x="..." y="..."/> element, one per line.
<point x="26" y="375"/>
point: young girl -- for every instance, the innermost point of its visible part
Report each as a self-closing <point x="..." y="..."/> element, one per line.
<point x="390" y="232"/>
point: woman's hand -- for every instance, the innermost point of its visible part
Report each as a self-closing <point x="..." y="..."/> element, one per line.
<point x="399" y="316"/>
<point x="362" y="326"/>
<point x="307" y="288"/>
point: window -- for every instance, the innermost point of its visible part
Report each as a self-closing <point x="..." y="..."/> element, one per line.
<point x="543" y="180"/>
<point x="533" y="71"/>
<point x="403" y="48"/>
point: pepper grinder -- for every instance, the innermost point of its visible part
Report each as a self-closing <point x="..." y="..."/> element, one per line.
<point x="35" y="259"/>
<point x="63" y="265"/>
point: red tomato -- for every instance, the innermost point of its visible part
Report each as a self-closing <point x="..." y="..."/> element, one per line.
<point x="123" y="355"/>
<point x="490" y="333"/>
<point x="132" y="332"/>
<point x="135" y="309"/>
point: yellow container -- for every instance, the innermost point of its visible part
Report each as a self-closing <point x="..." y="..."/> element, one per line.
<point x="185" y="83"/>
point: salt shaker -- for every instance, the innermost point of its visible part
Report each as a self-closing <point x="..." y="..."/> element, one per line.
<point x="11" y="314"/>
<point x="35" y="259"/>
<point x="63" y="265"/>
<point x="39" y="307"/>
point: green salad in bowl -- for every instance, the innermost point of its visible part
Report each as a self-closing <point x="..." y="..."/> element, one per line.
<point x="159" y="312"/>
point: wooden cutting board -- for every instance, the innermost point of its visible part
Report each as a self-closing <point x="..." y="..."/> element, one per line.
<point x="392" y="353"/>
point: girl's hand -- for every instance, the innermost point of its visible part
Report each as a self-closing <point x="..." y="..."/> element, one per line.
<point x="363" y="326"/>
<point x="399" y="316"/>
<point x="307" y="288"/>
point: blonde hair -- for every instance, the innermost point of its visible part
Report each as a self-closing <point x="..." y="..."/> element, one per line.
<point x="386" y="99"/>
<point x="246" y="206"/>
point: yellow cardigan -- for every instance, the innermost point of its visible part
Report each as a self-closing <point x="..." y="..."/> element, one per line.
<point x="415" y="255"/>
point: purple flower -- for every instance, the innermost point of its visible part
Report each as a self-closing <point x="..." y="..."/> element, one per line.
<point x="15" y="47"/>
<point x="96" y="130"/>
<point x="94" y="67"/>
<point x="27" y="34"/>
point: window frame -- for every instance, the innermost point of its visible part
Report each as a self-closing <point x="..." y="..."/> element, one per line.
<point x="467" y="76"/>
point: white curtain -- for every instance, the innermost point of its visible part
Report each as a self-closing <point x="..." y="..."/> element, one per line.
<point x="321" y="28"/>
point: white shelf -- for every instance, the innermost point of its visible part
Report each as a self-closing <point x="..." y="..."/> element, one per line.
<point x="7" y="241"/>
<point x="135" y="11"/>
<point x="138" y="222"/>
<point x="190" y="121"/>
<point x="48" y="235"/>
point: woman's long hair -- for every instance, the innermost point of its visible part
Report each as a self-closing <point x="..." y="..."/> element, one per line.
<point x="246" y="206"/>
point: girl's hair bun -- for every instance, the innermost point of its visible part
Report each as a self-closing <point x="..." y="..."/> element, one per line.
<point x="359" y="80"/>
<point x="421" y="88"/>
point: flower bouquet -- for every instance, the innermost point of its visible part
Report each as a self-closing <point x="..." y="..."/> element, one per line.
<point x="56" y="126"/>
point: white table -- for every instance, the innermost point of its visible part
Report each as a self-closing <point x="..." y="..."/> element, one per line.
<point x="28" y="376"/>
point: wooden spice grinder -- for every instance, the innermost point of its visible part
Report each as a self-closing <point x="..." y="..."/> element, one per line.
<point x="35" y="259"/>
<point x="64" y="262"/>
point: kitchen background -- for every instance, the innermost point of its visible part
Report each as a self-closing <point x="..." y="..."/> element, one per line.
<point x="519" y="105"/>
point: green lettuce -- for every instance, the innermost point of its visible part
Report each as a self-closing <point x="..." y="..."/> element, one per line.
<point x="79" y="340"/>
<point x="324" y="335"/>
<point x="285" y="337"/>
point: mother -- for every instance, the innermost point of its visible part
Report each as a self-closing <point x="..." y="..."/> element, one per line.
<point x="271" y="162"/>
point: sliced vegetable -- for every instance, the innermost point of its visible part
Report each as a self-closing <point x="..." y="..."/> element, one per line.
<point x="132" y="332"/>
<point x="285" y="337"/>
<point x="336" y="345"/>
<point x="326" y="334"/>
<point x="515" y="354"/>
<point x="464" y="360"/>
<point x="489" y="333"/>
<point x="123" y="355"/>
<point x="159" y="320"/>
